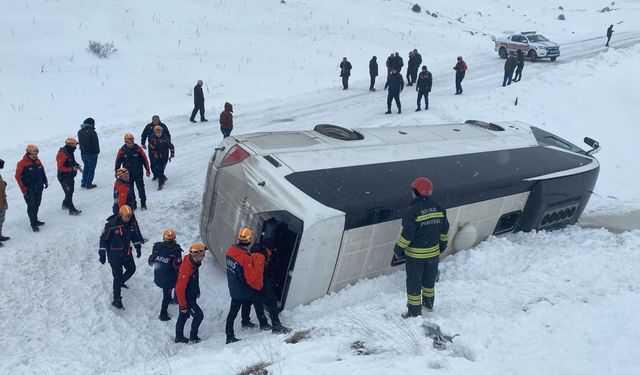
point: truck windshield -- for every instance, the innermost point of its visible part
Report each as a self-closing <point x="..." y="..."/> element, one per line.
<point x="537" y="38"/>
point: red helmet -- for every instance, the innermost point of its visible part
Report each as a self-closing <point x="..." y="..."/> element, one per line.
<point x="422" y="186"/>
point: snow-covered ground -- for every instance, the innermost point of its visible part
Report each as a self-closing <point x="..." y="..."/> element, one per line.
<point x="565" y="302"/>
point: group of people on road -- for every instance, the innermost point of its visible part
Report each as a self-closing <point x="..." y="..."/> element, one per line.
<point x="395" y="83"/>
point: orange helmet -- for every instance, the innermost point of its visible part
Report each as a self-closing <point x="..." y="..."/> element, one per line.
<point x="122" y="172"/>
<point x="245" y="235"/>
<point x="32" y="149"/>
<point x="197" y="248"/>
<point x="125" y="211"/>
<point x="169" y="235"/>
<point x="128" y="137"/>
<point x="71" y="142"/>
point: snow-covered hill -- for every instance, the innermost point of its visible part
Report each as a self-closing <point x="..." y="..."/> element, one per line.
<point x="562" y="303"/>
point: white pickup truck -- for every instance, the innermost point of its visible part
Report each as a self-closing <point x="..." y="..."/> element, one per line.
<point x="534" y="46"/>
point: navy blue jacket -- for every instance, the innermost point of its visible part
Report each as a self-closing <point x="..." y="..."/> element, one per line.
<point x="134" y="159"/>
<point x="244" y="272"/>
<point x="118" y="236"/>
<point x="395" y="83"/>
<point x="165" y="258"/>
<point x="198" y="95"/>
<point x="159" y="147"/>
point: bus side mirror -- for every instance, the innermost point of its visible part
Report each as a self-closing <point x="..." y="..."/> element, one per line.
<point x="595" y="146"/>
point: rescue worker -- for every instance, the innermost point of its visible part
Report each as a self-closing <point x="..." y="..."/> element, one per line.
<point x="188" y="291"/>
<point x="32" y="180"/>
<point x="424" y="235"/>
<point x="161" y="152"/>
<point x="373" y="72"/>
<point x="119" y="233"/>
<point x="226" y="120"/>
<point x="244" y="276"/>
<point x="122" y="193"/>
<point x="198" y="102"/>
<point x="395" y="83"/>
<point x="89" y="150"/>
<point x="423" y="87"/>
<point x="67" y="170"/>
<point x="520" y="66"/>
<point x="166" y="257"/>
<point x="509" y="67"/>
<point x="148" y="130"/>
<point x="4" y="206"/>
<point x="461" y="70"/>
<point x="345" y="72"/>
<point x="134" y="159"/>
<point x="609" y="34"/>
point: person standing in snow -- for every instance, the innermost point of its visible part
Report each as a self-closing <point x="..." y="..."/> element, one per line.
<point x="188" y="292"/>
<point x="245" y="277"/>
<point x="415" y="59"/>
<point x="67" y="171"/>
<point x="389" y="63"/>
<point x="120" y="231"/>
<point x="609" y="34"/>
<point x="148" y="131"/>
<point x="424" y="236"/>
<point x="122" y="192"/>
<point x="226" y="120"/>
<point x="519" y="67"/>
<point x="423" y="87"/>
<point x="89" y="150"/>
<point x="373" y="72"/>
<point x="166" y="258"/>
<point x="509" y="67"/>
<point x="395" y="84"/>
<point x="32" y="180"/>
<point x="198" y="102"/>
<point x="132" y="157"/>
<point x="345" y="72"/>
<point x="461" y="70"/>
<point x="161" y="152"/>
<point x="4" y="206"/>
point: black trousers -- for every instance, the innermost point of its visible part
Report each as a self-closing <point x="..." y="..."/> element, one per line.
<point x="396" y="97"/>
<point x="194" y="311"/>
<point x="268" y="299"/>
<point x="345" y="82"/>
<point x="138" y="182"/>
<point x="518" y="75"/>
<point x="196" y="108"/>
<point x="373" y="82"/>
<point x="459" y="78"/>
<point x="166" y="299"/>
<point x="414" y="75"/>
<point x="507" y="77"/>
<point x="608" y="39"/>
<point x="158" y="165"/>
<point x="421" y="281"/>
<point x="236" y="305"/>
<point x="33" y="199"/>
<point x="422" y="93"/>
<point x="118" y="262"/>
<point x="68" y="186"/>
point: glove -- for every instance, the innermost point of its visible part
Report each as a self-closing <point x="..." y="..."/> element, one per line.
<point x="148" y="173"/>
<point x="398" y="252"/>
<point x="103" y="256"/>
<point x="46" y="185"/>
<point x="183" y="310"/>
<point x="138" y="250"/>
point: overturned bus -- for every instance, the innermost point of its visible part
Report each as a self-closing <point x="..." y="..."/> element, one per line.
<point x="330" y="200"/>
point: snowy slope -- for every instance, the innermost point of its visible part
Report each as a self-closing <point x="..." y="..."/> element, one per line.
<point x="563" y="302"/>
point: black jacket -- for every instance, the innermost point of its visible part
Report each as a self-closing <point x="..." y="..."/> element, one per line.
<point x="424" y="229"/>
<point x="198" y="96"/>
<point x="345" y="69"/>
<point x="424" y="81"/>
<point x="414" y="62"/>
<point x="373" y="68"/>
<point x="510" y="64"/>
<point x="395" y="83"/>
<point x="148" y="130"/>
<point x="165" y="258"/>
<point x="118" y="236"/>
<point x="88" y="139"/>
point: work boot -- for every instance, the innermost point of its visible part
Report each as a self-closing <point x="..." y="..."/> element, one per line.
<point x="248" y="324"/>
<point x="418" y="110"/>
<point x="265" y="327"/>
<point x="406" y="315"/>
<point x="279" y="328"/>
<point x="39" y="223"/>
<point x="194" y="340"/>
<point x="387" y="113"/>
<point x="164" y="316"/>
<point x="91" y="186"/>
<point x="3" y="238"/>
<point x="143" y="205"/>
<point x="203" y="120"/>
<point x="232" y="339"/>
<point x="117" y="303"/>
<point x="192" y="120"/>
<point x="35" y="228"/>
<point x="399" y="111"/>
<point x="74" y="212"/>
<point x="181" y="339"/>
